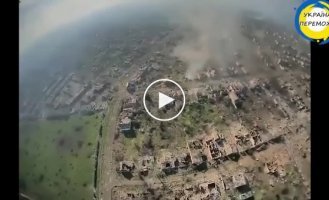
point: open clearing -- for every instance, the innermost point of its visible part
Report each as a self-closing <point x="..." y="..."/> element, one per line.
<point x="57" y="157"/>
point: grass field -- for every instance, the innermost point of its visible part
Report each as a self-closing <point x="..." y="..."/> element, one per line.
<point x="57" y="157"/>
<point x="196" y="115"/>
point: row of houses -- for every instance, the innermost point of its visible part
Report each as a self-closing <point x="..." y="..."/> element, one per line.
<point x="215" y="188"/>
<point x="214" y="149"/>
<point x="143" y="165"/>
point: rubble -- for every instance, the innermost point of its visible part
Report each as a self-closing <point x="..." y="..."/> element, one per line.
<point x="169" y="166"/>
<point x="239" y="180"/>
<point x="214" y="147"/>
<point x="130" y="104"/>
<point x="274" y="168"/>
<point x="247" y="195"/>
<point x="196" y="150"/>
<point x="127" y="166"/>
<point x="131" y="86"/>
<point x="125" y="125"/>
<point x="209" y="190"/>
<point x="241" y="184"/>
<point x="298" y="101"/>
<point x="184" y="160"/>
<point x="233" y="83"/>
<point x="145" y="164"/>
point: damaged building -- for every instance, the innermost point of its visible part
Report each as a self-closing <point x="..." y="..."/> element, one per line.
<point x="169" y="166"/>
<point x="241" y="185"/>
<point x="209" y="190"/>
<point x="130" y="104"/>
<point x="214" y="148"/>
<point x="274" y="168"/>
<point x="196" y="149"/>
<point x="131" y="86"/>
<point x="236" y="92"/>
<point x="125" y="125"/>
<point x="127" y="166"/>
<point x="145" y="164"/>
<point x="170" y="163"/>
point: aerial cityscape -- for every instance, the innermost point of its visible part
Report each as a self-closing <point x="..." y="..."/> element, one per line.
<point x="244" y="127"/>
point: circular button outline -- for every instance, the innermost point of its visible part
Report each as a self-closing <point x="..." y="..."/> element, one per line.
<point x="164" y="80"/>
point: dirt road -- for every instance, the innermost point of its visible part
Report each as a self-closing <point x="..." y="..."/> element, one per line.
<point x="106" y="167"/>
<point x="105" y="160"/>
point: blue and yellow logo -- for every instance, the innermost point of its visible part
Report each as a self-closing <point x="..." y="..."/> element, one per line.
<point x="312" y="21"/>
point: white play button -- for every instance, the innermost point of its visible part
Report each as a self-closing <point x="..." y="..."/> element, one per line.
<point x="156" y="98"/>
<point x="164" y="100"/>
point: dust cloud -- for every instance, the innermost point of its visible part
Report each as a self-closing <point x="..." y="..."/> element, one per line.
<point x="211" y="29"/>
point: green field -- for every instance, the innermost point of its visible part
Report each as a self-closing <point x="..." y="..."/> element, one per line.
<point x="197" y="115"/>
<point x="57" y="158"/>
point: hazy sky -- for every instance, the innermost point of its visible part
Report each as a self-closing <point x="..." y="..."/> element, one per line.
<point x="39" y="17"/>
<point x="210" y="20"/>
<point x="61" y="33"/>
